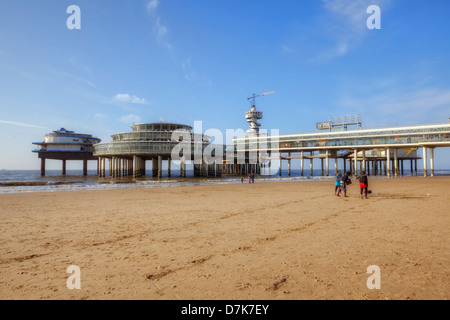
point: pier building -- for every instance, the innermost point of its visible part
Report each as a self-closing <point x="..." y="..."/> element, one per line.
<point x="129" y="152"/>
<point x="66" y="145"/>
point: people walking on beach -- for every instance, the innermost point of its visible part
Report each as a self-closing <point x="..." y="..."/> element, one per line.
<point x="343" y="184"/>
<point x="337" y="182"/>
<point x="363" y="183"/>
<point x="249" y="178"/>
<point x="253" y="177"/>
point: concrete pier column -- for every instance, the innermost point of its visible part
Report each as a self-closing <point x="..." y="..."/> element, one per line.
<point x="321" y="166"/>
<point x="425" y="171"/>
<point x="85" y="165"/>
<point x="335" y="166"/>
<point x="135" y="169"/>
<point x="42" y="167"/>
<point x="364" y="161"/>
<point x="432" y="162"/>
<point x="113" y="166"/>
<point x="356" y="162"/>
<point x="301" y="163"/>
<point x="169" y="167"/>
<point x="64" y="167"/>
<point x="388" y="162"/>
<point x="401" y="166"/>
<point x="412" y="168"/>
<point x="154" y="167"/>
<point x="183" y="167"/>
<point x="159" y="167"/>
<point x="311" y="166"/>
<point x="327" y="163"/>
<point x="345" y="165"/>
<point x="415" y="167"/>
<point x="396" y="169"/>
<point x="280" y="165"/>
<point x="289" y="164"/>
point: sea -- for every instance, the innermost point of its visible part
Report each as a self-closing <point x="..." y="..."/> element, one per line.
<point x="20" y="181"/>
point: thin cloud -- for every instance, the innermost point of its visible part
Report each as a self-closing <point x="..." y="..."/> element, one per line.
<point x="20" y="124"/>
<point x="160" y="29"/>
<point x="127" y="98"/>
<point x="152" y="6"/>
<point x="130" y="119"/>
<point x="345" y="22"/>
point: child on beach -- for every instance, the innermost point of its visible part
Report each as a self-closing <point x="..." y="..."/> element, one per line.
<point x="363" y="183"/>
<point x="337" y="182"/>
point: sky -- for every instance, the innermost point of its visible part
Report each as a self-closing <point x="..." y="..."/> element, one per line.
<point x="183" y="61"/>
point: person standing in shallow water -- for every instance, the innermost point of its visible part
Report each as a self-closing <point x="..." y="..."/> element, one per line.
<point x="363" y="184"/>
<point x="337" y="182"/>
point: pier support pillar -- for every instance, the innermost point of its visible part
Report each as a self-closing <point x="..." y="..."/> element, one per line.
<point x="42" y="167"/>
<point x="311" y="166"/>
<point x="388" y="162"/>
<point x="85" y="165"/>
<point x="425" y="173"/>
<point x="345" y="165"/>
<point x="169" y="167"/>
<point x="301" y="163"/>
<point x="364" y="168"/>
<point x="396" y="170"/>
<point x="321" y="166"/>
<point x="432" y="162"/>
<point x="415" y="167"/>
<point x="159" y="167"/>
<point x="412" y="168"/>
<point x="327" y="163"/>
<point x="154" y="167"/>
<point x="183" y="167"/>
<point x="289" y="164"/>
<point x="356" y="162"/>
<point x="135" y="167"/>
<point x="335" y="166"/>
<point x="64" y="167"/>
<point x="280" y="164"/>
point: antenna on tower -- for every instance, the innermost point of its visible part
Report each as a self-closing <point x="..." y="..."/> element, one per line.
<point x="253" y="115"/>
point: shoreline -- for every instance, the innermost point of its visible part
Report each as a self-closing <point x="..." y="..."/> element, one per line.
<point x="265" y="241"/>
<point x="129" y="183"/>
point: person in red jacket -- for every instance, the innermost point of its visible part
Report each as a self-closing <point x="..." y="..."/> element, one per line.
<point x="363" y="184"/>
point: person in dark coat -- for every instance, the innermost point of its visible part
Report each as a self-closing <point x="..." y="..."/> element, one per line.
<point x="363" y="183"/>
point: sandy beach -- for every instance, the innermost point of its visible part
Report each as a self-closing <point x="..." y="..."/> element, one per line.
<point x="286" y="240"/>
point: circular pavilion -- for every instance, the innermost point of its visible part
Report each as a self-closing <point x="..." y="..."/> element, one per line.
<point x="129" y="151"/>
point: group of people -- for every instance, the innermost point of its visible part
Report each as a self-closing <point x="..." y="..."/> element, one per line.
<point x="251" y="178"/>
<point x="342" y="181"/>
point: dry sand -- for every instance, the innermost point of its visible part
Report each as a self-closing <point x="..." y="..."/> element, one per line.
<point x="292" y="240"/>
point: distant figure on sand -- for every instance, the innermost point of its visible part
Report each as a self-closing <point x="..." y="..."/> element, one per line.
<point x="343" y="184"/>
<point x="249" y="178"/>
<point x="337" y="182"/>
<point x="253" y="178"/>
<point x="363" y="183"/>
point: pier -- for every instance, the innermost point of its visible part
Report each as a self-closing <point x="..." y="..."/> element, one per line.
<point x="129" y="152"/>
<point x="66" y="145"/>
<point x="376" y="151"/>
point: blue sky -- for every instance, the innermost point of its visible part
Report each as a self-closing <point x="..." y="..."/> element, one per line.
<point x="182" y="61"/>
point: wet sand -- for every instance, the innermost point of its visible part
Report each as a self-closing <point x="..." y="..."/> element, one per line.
<point x="288" y="240"/>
